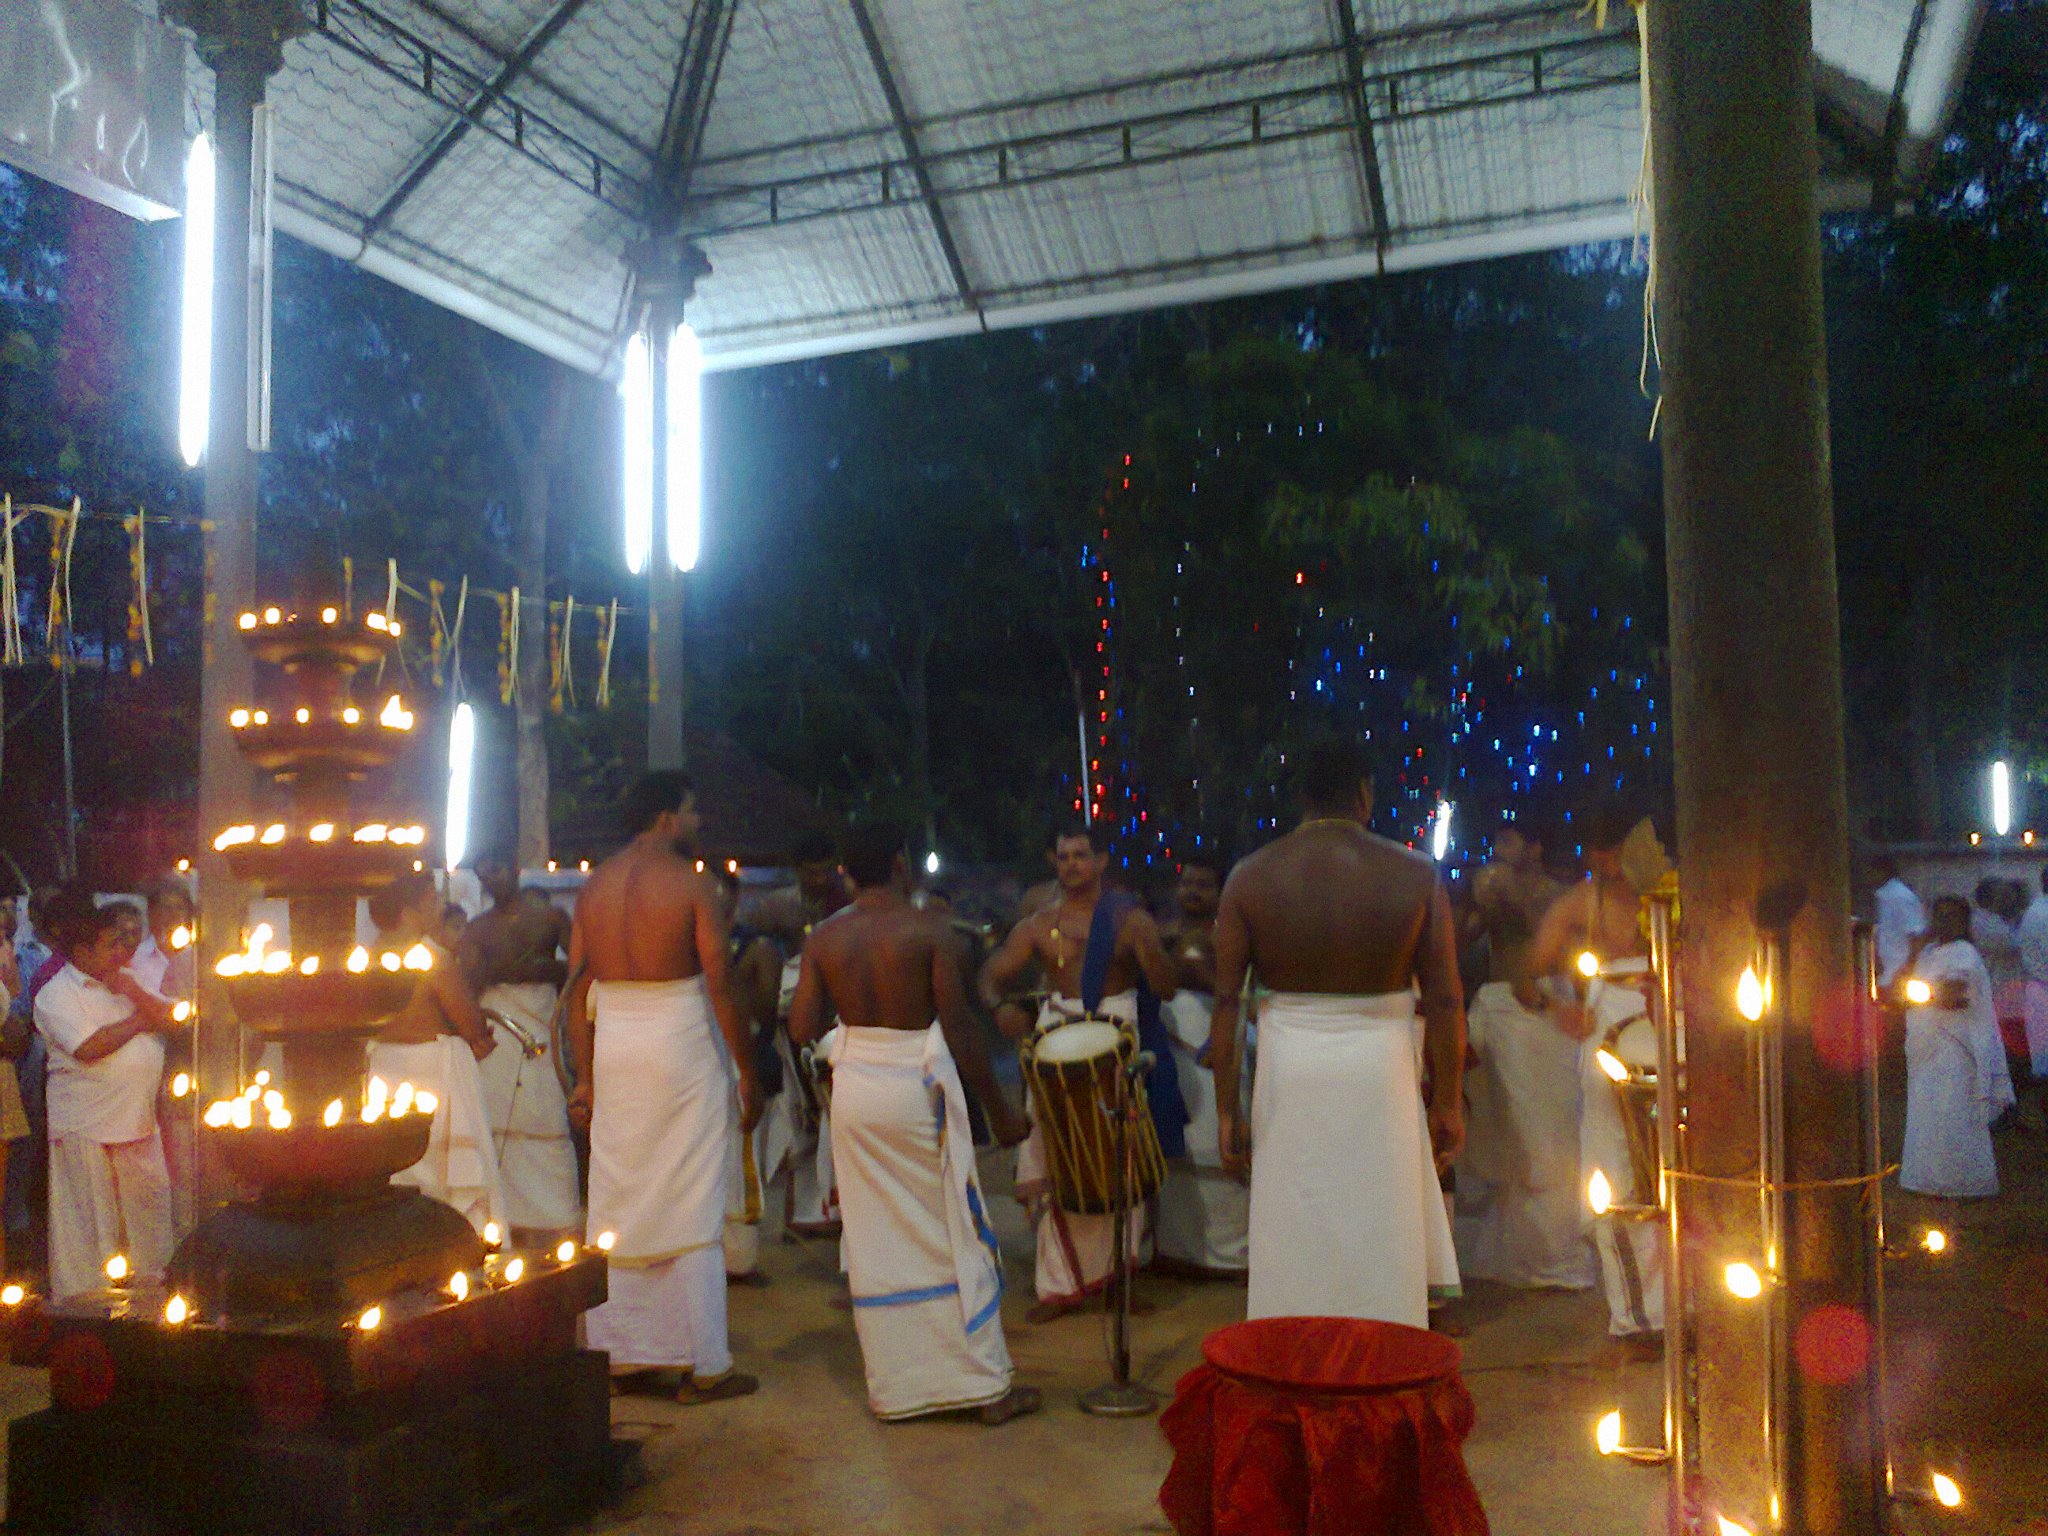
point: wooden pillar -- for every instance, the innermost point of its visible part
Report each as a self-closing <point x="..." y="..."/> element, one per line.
<point x="1757" y="723"/>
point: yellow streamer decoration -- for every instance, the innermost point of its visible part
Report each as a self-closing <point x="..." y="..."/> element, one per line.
<point x="437" y="630"/>
<point x="63" y="539"/>
<point x="508" y="646"/>
<point x="607" y="634"/>
<point x="554" y="658"/>
<point x="568" y="682"/>
<point x="348" y="587"/>
<point x="455" y="639"/>
<point x="10" y="623"/>
<point x="138" y="607"/>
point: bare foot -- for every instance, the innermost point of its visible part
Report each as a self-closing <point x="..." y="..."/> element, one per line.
<point x="1013" y="1404"/>
<point x="731" y="1384"/>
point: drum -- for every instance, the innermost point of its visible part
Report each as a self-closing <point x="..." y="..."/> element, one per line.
<point x="1634" y="1044"/>
<point x="1071" y="1071"/>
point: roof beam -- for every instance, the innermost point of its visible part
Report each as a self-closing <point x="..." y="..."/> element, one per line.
<point x="1884" y="188"/>
<point x="402" y="55"/>
<point x="451" y="133"/>
<point x="1368" y="151"/>
<point x="706" y="37"/>
<point x="886" y="78"/>
<point x="1278" y="115"/>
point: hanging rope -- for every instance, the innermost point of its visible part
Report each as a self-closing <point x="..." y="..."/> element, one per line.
<point x="554" y="658"/>
<point x="437" y="631"/>
<point x="63" y="537"/>
<point x="653" y="651"/>
<point x="508" y="646"/>
<point x="348" y="588"/>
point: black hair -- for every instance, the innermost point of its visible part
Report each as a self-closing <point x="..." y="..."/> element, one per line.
<point x="1213" y="859"/>
<point x="1332" y="772"/>
<point x="71" y="919"/>
<point x="655" y="795"/>
<point x="814" y="845"/>
<point x="869" y="852"/>
<point x="1987" y="892"/>
<point x="1097" y="833"/>
<point x="166" y="890"/>
<point x="394" y="900"/>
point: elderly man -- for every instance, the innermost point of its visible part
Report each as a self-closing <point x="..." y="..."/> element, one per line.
<point x="110" y="1192"/>
<point x="1353" y="933"/>
<point x="648" y="954"/>
<point x="920" y="1257"/>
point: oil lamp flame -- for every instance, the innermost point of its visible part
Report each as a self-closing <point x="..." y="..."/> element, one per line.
<point x="1589" y="964"/>
<point x="565" y="1251"/>
<point x="12" y="1295"/>
<point x="605" y="1240"/>
<point x="515" y="1270"/>
<point x="493" y="1234"/>
<point x="1936" y="1241"/>
<point x="117" y="1268"/>
<point x="1612" y="1065"/>
<point x="1599" y="1193"/>
<point x="1946" y="1492"/>
<point x="371" y="1318"/>
<point x="320" y="832"/>
<point x="1749" y="995"/>
<point x="1743" y="1281"/>
<point x="425" y="1102"/>
<point x="176" y="1310"/>
<point x="419" y="958"/>
<point x="331" y="1116"/>
<point x="458" y="1286"/>
<point x="181" y="1085"/>
<point x="1918" y="992"/>
<point x="1607" y="1433"/>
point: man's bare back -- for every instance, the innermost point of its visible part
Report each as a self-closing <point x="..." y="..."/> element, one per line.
<point x="1333" y="908"/>
<point x="878" y="964"/>
<point x="637" y="919"/>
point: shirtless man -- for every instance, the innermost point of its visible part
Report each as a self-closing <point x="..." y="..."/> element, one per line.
<point x="648" y="954"/>
<point x="1346" y="928"/>
<point x="909" y="1193"/>
<point x="435" y="1043"/>
<point x="513" y="952"/>
<point x="1075" y="1252"/>
<point x="1601" y="916"/>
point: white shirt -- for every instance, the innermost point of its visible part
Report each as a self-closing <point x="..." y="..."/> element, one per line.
<point x="2034" y="941"/>
<point x="167" y="975"/>
<point x="109" y="1100"/>
<point x="1900" y="920"/>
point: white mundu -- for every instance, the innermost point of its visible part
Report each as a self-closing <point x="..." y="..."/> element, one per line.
<point x="1347" y="1215"/>
<point x="528" y="1111"/>
<point x="918" y="1251"/>
<point x="662" y="1109"/>
<point x="1074" y="1252"/>
<point x="109" y="1190"/>
<point x="1204" y="1213"/>
<point x="1957" y="1080"/>
<point x="1521" y="1210"/>
<point x="1631" y="1253"/>
<point x="813" y="1197"/>
<point x="459" y="1168"/>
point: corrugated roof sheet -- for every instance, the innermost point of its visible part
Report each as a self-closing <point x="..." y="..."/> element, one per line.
<point x="500" y="155"/>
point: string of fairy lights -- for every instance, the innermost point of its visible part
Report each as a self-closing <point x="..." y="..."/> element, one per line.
<point x="1497" y="740"/>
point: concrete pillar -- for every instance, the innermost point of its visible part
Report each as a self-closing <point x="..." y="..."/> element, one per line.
<point x="666" y="655"/>
<point x="1757" y="723"/>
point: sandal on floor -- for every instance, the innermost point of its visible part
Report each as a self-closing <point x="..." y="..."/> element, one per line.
<point x="731" y="1384"/>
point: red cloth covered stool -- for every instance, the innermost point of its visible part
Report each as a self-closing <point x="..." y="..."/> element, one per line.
<point x="1321" y="1426"/>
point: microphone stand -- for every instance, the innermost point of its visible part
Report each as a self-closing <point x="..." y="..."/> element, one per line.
<point x="1120" y="1397"/>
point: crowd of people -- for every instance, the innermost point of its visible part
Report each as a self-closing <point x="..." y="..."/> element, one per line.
<point x="1361" y="1091"/>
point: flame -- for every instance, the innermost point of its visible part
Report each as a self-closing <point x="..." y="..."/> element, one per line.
<point x="1946" y="1492"/>
<point x="241" y="1115"/>
<point x="371" y="1317"/>
<point x="234" y="837"/>
<point x="351" y="716"/>
<point x="238" y="718"/>
<point x="492" y="1234"/>
<point x="418" y="958"/>
<point x="514" y="1269"/>
<point x="1936" y="1241"/>
<point x="376" y="621"/>
<point x="247" y="621"/>
<point x="320" y="832"/>
<point x="1743" y="1281"/>
<point x="397" y="629"/>
<point x="1918" y="992"/>
<point x="1749" y="995"/>
<point x="117" y="1268"/>
<point x="273" y="1101"/>
<point x="329" y="615"/>
<point x="395" y="715"/>
<point x="565" y="1251"/>
<point x="331" y="1116"/>
<point x="261" y="717"/>
<point x="280" y="1119"/>
<point x="1599" y="1193"/>
<point x="379" y="1094"/>
<point x="605" y="1241"/>
<point x="310" y="966"/>
<point x="425" y="1102"/>
<point x="176" y="1310"/>
<point x="1723" y="1526"/>
<point x="358" y="960"/>
<point x="458" y="1286"/>
<point x="390" y="960"/>
<point x="262" y="1078"/>
<point x="1607" y="1433"/>
<point x="374" y="832"/>
<point x="12" y="1295"/>
<point x="272" y="615"/>
<point x="218" y="1113"/>
<point x="401" y="1101"/>
<point x="277" y="962"/>
<point x="181" y="1085"/>
<point x="1589" y="964"/>
<point x="304" y="715"/>
<point x="1611" y="1064"/>
<point x="181" y="1011"/>
<point x="181" y="937"/>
